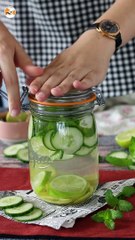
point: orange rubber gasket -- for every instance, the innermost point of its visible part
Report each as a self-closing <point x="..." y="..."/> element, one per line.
<point x="90" y="99"/>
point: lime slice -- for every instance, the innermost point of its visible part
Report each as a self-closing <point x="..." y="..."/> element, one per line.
<point x="123" y="138"/>
<point x="85" y="197"/>
<point x="55" y="200"/>
<point x="92" y="179"/>
<point x="39" y="148"/>
<point x="67" y="186"/>
<point x="40" y="181"/>
<point x="19" y="118"/>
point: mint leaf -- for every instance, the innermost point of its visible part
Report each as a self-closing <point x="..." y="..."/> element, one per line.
<point x="98" y="217"/>
<point x="125" y="206"/>
<point x="116" y="214"/>
<point x="128" y="191"/>
<point x="110" y="198"/>
<point x="109" y="223"/>
<point x="101" y="216"/>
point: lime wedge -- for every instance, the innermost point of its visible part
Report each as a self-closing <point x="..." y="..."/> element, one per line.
<point x="68" y="186"/>
<point x="123" y="138"/>
<point x="20" y="118"/>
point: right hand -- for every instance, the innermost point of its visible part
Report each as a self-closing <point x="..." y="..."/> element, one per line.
<point x="12" y="55"/>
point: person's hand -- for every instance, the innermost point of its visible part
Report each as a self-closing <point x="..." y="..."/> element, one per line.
<point x="12" y="55"/>
<point x="80" y="66"/>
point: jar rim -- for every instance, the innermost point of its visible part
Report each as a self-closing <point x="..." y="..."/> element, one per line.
<point x="91" y="98"/>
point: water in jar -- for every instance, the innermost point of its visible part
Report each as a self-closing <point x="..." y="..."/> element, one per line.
<point x="63" y="155"/>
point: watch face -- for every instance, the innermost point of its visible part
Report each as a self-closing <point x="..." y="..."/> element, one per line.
<point x="109" y="27"/>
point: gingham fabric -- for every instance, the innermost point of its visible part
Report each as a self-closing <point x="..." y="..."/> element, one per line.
<point x="46" y="27"/>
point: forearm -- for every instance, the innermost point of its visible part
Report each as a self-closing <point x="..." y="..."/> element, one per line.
<point x="122" y="12"/>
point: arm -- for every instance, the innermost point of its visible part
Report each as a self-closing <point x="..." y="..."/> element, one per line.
<point x="85" y="63"/>
<point x="12" y="55"/>
<point x="122" y="12"/>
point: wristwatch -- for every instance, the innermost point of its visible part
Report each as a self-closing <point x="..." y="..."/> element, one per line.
<point x="109" y="29"/>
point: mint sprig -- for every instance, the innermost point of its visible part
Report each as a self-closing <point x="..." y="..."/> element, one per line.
<point x="118" y="204"/>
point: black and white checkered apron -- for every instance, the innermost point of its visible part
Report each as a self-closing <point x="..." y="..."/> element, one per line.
<point x="46" y="27"/>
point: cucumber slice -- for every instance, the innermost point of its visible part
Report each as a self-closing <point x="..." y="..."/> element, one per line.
<point x="30" y="128"/>
<point x="39" y="147"/>
<point x="119" y="158"/>
<point x="67" y="123"/>
<point x="22" y="155"/>
<point x="25" y="144"/>
<point x="11" y="151"/>
<point x="132" y="167"/>
<point x="19" y="210"/>
<point x="47" y="140"/>
<point x="83" y="151"/>
<point x="69" y="140"/>
<point x="35" y="214"/>
<point x="67" y="156"/>
<point x="87" y="126"/>
<point x="10" y="201"/>
<point x="57" y="155"/>
<point x="90" y="141"/>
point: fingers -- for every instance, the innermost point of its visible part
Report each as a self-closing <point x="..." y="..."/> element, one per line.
<point x="59" y="83"/>
<point x="11" y="82"/>
<point x="67" y="83"/>
<point x="89" y="80"/>
<point x="51" y="77"/>
<point x="24" y="62"/>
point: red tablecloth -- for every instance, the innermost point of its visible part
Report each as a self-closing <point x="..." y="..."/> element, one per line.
<point x="14" y="178"/>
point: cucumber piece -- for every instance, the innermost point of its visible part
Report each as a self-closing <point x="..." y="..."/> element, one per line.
<point x="118" y="154"/>
<point x="87" y="126"/>
<point x="25" y="144"/>
<point x="23" y="208"/>
<point x="10" y="201"/>
<point x="57" y="155"/>
<point x="67" y="156"/>
<point x="118" y="158"/>
<point x="69" y="140"/>
<point x="83" y="151"/>
<point x="30" y="128"/>
<point x="35" y="214"/>
<point x="47" y="140"/>
<point x="131" y="167"/>
<point x="90" y="141"/>
<point x="66" y="122"/>
<point x="22" y="155"/>
<point x="11" y="151"/>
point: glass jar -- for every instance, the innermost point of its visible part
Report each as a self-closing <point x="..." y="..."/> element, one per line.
<point x="63" y="147"/>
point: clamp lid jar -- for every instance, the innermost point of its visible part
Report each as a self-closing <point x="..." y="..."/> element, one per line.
<point x="63" y="147"/>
